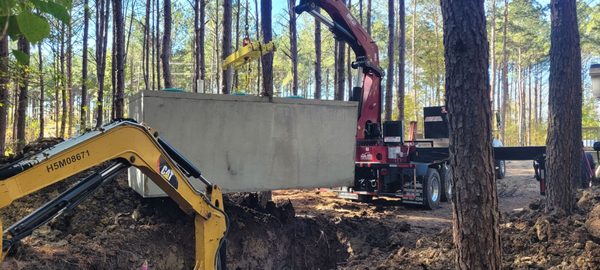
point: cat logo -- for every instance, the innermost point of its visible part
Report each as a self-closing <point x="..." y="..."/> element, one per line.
<point x="167" y="173"/>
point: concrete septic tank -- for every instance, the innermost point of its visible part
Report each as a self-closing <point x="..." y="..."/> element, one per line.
<point x="246" y="143"/>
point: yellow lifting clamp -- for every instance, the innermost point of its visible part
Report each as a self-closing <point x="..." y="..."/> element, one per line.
<point x="249" y="51"/>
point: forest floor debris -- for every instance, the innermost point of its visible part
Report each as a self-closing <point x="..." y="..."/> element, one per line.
<point x="301" y="229"/>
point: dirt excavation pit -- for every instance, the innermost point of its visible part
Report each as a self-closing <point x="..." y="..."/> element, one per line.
<point x="300" y="229"/>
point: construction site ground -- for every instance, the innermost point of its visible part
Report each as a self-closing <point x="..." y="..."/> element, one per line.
<point x="301" y="229"/>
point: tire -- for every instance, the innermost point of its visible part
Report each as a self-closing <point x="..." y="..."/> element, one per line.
<point x="432" y="189"/>
<point x="501" y="171"/>
<point x="446" y="174"/>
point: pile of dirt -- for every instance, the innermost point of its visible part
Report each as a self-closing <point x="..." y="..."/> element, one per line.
<point x="531" y="239"/>
<point x="371" y="233"/>
<point x="117" y="229"/>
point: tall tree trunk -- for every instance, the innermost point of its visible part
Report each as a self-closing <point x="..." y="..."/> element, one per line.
<point x="438" y="61"/>
<point x="56" y="88"/>
<point x="293" y="46"/>
<point x="157" y="44"/>
<point x="70" y="78"/>
<point x="535" y="93"/>
<point x="326" y="83"/>
<point x="498" y="90"/>
<point x="369" y="19"/>
<point x="153" y="54"/>
<point x="166" y="46"/>
<point x="505" y="95"/>
<point x="119" y="92"/>
<point x="401" y="58"/>
<point x="40" y="69"/>
<point x="63" y="87"/>
<point x="389" y="82"/>
<point x="563" y="160"/>
<point x="349" y="62"/>
<point x="540" y="87"/>
<point x="146" y="49"/>
<point x="227" y="32"/>
<point x="414" y="59"/>
<point x="360" y="11"/>
<point x="4" y="93"/>
<point x="201" y="38"/>
<point x="126" y="50"/>
<point x="336" y="48"/>
<point x="529" y="107"/>
<point x="267" y="59"/>
<point x="493" y="51"/>
<point x="259" y="62"/>
<point x="475" y="204"/>
<point x="216" y="51"/>
<point x="318" y="79"/>
<point x="358" y="77"/>
<point x="102" y="15"/>
<point x="23" y="46"/>
<point x="523" y="105"/>
<point x="113" y="66"/>
<point x="237" y="42"/>
<point x="339" y="70"/>
<point x="197" y="45"/>
<point x="16" y="109"/>
<point x="84" y="67"/>
<point x="128" y="39"/>
<point x="520" y="97"/>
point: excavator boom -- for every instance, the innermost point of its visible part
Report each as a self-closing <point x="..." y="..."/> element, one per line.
<point x="122" y="144"/>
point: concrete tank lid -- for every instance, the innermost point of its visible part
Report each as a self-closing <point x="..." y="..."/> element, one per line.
<point x="241" y="98"/>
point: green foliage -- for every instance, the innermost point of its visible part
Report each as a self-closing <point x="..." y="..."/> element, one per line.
<point x="57" y="10"/>
<point x="21" y="57"/>
<point x="589" y="27"/>
<point x="528" y="30"/>
<point x="33" y="27"/>
<point x="19" y="19"/>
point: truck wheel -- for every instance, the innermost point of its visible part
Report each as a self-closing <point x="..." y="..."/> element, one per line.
<point x="446" y="173"/>
<point x="432" y="189"/>
<point x="501" y="171"/>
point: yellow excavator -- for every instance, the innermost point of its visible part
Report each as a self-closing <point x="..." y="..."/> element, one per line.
<point x="121" y="144"/>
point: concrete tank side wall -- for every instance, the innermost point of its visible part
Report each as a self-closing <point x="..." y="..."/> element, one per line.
<point x="244" y="145"/>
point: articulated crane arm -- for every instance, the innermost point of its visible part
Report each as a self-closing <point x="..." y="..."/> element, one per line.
<point x="347" y="29"/>
<point x="124" y="144"/>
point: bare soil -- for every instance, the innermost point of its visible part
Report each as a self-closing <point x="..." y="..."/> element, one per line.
<point x="301" y="229"/>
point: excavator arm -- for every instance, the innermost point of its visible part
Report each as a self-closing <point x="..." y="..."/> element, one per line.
<point x="123" y="144"/>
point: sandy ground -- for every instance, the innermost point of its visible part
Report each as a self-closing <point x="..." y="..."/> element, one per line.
<point x="515" y="192"/>
<point x="519" y="188"/>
